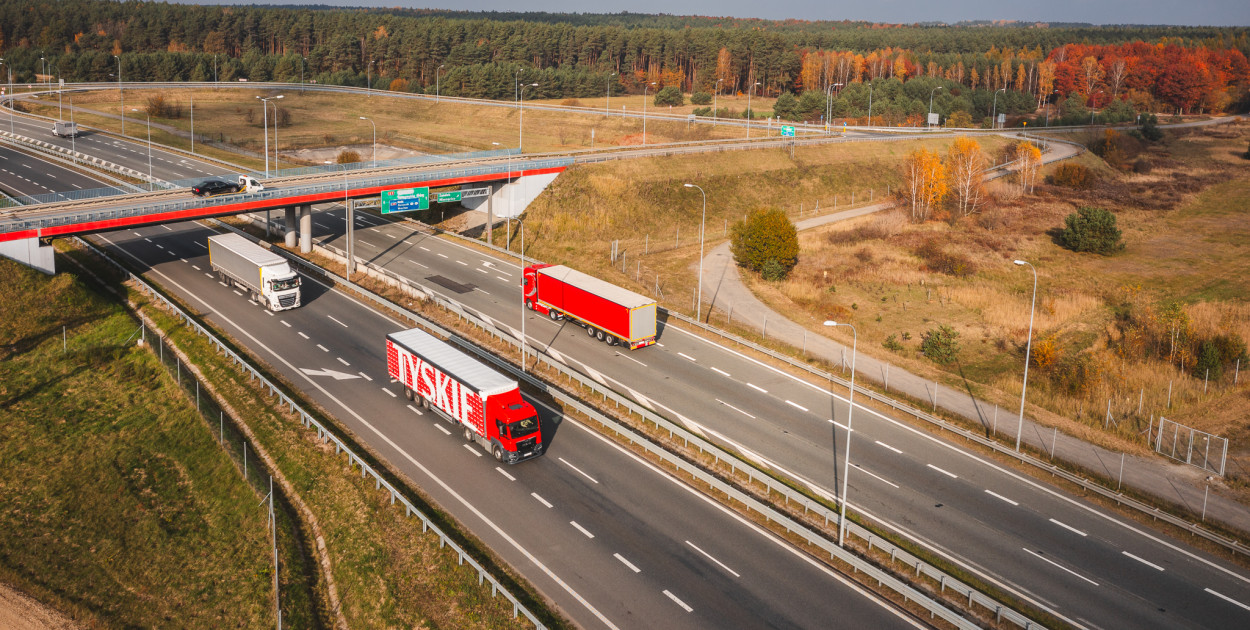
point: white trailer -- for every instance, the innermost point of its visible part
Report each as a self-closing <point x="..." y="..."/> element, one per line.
<point x="65" y="129"/>
<point x="267" y="276"/>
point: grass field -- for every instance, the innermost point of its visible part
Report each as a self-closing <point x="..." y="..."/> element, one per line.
<point x="116" y="505"/>
<point x="328" y="120"/>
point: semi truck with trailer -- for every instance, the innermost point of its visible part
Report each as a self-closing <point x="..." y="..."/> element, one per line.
<point x="267" y="276"/>
<point x="608" y="312"/>
<point x="485" y="404"/>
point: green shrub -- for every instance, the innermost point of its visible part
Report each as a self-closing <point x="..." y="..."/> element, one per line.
<point x="670" y="95"/>
<point x="773" y="271"/>
<point x="701" y="98"/>
<point x="940" y="344"/>
<point x="765" y="235"/>
<point x="936" y="259"/>
<point x="1091" y="230"/>
<point x="1150" y="128"/>
<point x="701" y="111"/>
<point x="1075" y="176"/>
<point x="892" y="343"/>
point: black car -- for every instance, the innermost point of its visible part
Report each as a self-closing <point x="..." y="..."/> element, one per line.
<point x="214" y="187"/>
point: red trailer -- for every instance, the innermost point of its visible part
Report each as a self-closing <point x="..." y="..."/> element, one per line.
<point x="608" y="312"/>
<point x="485" y="403"/>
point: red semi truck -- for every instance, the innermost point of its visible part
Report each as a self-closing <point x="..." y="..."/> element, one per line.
<point x="485" y="403"/>
<point x="608" y="312"/>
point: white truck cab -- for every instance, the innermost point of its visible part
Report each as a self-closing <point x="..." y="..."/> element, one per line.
<point x="249" y="184"/>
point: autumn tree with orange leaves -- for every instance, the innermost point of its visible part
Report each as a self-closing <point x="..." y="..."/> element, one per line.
<point x="926" y="183"/>
<point x="965" y="162"/>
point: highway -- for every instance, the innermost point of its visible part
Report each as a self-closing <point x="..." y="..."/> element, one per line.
<point x="1092" y="569"/>
<point x="612" y="540"/>
<point x="1088" y="568"/>
<point x="26" y="174"/>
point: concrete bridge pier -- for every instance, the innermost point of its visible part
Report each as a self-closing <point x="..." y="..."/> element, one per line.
<point x="305" y="229"/>
<point x="32" y="253"/>
<point x="291" y="232"/>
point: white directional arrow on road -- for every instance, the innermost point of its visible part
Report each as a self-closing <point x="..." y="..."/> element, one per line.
<point x="338" y="376"/>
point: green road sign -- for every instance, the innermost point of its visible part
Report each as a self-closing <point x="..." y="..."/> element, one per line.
<point x="787" y="130"/>
<point x="448" y="196"/>
<point x="405" y="200"/>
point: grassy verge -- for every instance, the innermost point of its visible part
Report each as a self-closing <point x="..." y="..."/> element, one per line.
<point x="117" y="506"/>
<point x="386" y="571"/>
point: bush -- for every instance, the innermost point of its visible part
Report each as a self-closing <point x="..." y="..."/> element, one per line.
<point x="701" y="111"/>
<point x="348" y="157"/>
<point x="892" y="343"/>
<point x="765" y="235"/>
<point x="670" y="95"/>
<point x="773" y="271"/>
<point x="1075" y="176"/>
<point x="1142" y="166"/>
<point x="940" y="344"/>
<point x="944" y="262"/>
<point x="1091" y="230"/>
<point x="571" y="102"/>
<point x="960" y="119"/>
<point x="701" y="98"/>
<point x="1150" y="128"/>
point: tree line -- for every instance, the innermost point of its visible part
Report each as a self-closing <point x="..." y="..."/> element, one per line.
<point x="824" y="66"/>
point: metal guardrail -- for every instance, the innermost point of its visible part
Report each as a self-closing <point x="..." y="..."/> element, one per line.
<point x="324" y="435"/>
<point x="897" y="554"/>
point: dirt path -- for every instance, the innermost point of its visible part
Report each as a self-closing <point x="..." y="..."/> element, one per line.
<point x="19" y="612"/>
<point x="1176" y="483"/>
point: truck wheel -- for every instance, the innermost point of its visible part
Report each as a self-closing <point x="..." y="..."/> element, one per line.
<point x="408" y="393"/>
<point x="468" y="434"/>
<point x="529" y="304"/>
<point x="590" y="330"/>
<point x="611" y="340"/>
<point x="497" y="452"/>
<point x="555" y="317"/>
<point x="600" y="335"/>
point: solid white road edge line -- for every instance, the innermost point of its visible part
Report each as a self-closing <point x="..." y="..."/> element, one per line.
<point x="709" y="557"/>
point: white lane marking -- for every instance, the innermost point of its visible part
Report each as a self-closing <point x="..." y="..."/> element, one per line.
<point x="501" y="471"/>
<point x="877" y="477"/>
<point x="632" y="359"/>
<point x="461" y="262"/>
<point x="540" y="499"/>
<point x="416" y="411"/>
<point x="211" y="275"/>
<point x="884" y="445"/>
<point x="323" y="348"/>
<point x="167" y="227"/>
<point x="683" y="354"/>
<point x="579" y="470"/>
<point x="472" y="450"/>
<point x="626" y="563"/>
<point x="366" y="376"/>
<point x="948" y="474"/>
<point x="1226" y="598"/>
<point x="839" y="425"/>
<point x="709" y="557"/>
<point x="337" y="321"/>
<point x="147" y="239"/>
<point x="504" y="279"/>
<point x="796" y="405"/>
<point x="678" y="601"/>
<point x="444" y="256"/>
<point x="734" y="408"/>
<point x="284" y="323"/>
<point x="343" y="362"/>
<point x="201" y="244"/>
<point x="1001" y="497"/>
<point x="389" y="393"/>
<point x="720" y="371"/>
<point x="1069" y="528"/>
<point x="659" y="344"/>
<point x="196" y="267"/>
<point x="445" y="431"/>
<point x="136" y="233"/>
<point x="581" y="529"/>
<point x="159" y="246"/>
<point x="757" y="388"/>
<point x="439" y="480"/>
<point x="270" y="313"/>
<point x="1040" y="556"/>
<point x="238" y="294"/>
<point x="480" y="270"/>
<point x="185" y="260"/>
<point x="424" y="247"/>
<point x="301" y="334"/>
<point x="1143" y="561"/>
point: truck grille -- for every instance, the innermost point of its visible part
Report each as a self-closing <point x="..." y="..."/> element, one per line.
<point x="287" y="301"/>
<point x="526" y="446"/>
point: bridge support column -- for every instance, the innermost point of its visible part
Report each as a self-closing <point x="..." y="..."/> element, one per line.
<point x="291" y="233"/>
<point x="30" y="252"/>
<point x="305" y="229"/>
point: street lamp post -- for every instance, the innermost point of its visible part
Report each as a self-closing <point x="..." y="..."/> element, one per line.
<point x="606" y="111"/>
<point x="264" y="108"/>
<point x="437" y="71"/>
<point x="1027" y="351"/>
<point x="149" y="145"/>
<point x="369" y="79"/>
<point x="73" y="137"/>
<point x="375" y="140"/>
<point x="121" y="94"/>
<point x="644" y="112"/>
<point x="750" y="114"/>
<point x="698" y="313"/>
<point x="931" y="103"/>
<point x="516" y="86"/>
<point x="829" y="104"/>
<point x="192" y="97"/>
<point x="994" y="111"/>
<point x="846" y="458"/>
<point x="521" y="226"/>
<point x="521" y="119"/>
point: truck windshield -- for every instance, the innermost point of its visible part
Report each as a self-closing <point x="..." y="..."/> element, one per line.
<point x="522" y="428"/>
<point x="286" y="283"/>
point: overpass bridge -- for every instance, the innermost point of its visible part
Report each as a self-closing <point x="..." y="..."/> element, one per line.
<point x="23" y="229"/>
